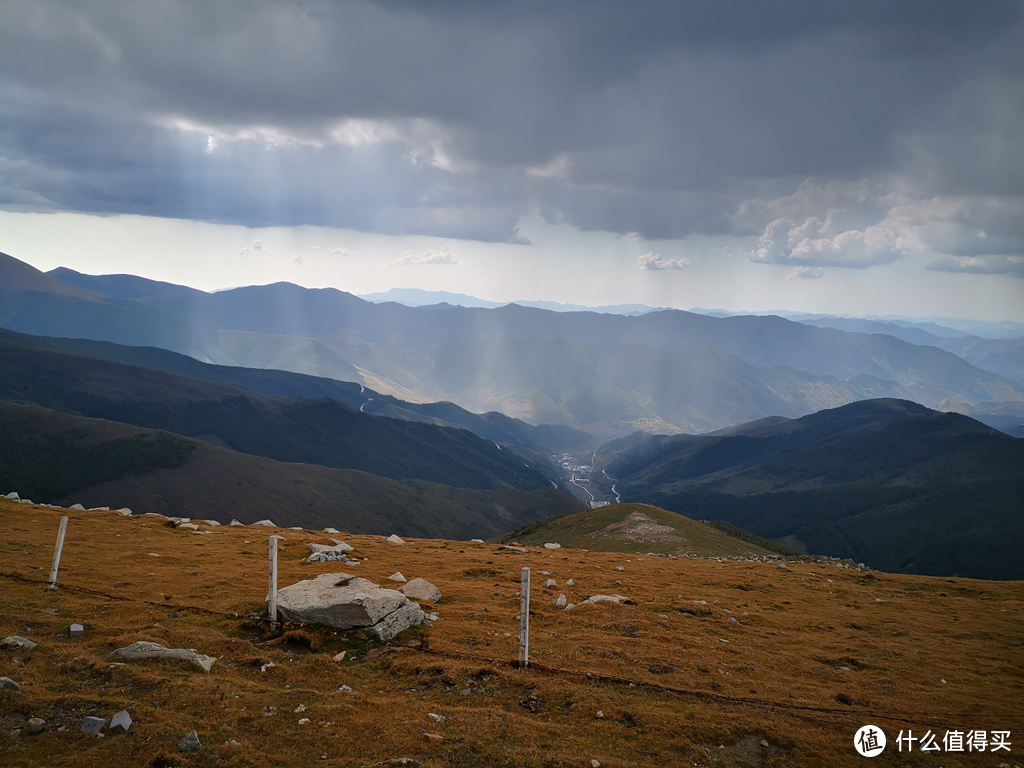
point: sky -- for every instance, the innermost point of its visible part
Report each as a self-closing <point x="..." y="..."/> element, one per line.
<point x="851" y="158"/>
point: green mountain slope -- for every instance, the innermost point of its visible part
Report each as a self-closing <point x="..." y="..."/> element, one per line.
<point x="637" y="528"/>
<point x="316" y="431"/>
<point x="886" y="482"/>
<point x="491" y="426"/>
<point x="52" y="457"/>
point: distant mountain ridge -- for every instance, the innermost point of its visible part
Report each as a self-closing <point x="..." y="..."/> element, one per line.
<point x="777" y="366"/>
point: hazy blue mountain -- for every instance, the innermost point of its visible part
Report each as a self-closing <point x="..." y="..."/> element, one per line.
<point x="414" y="354"/>
<point x="417" y="297"/>
<point x="120" y="286"/>
<point x="886" y="482"/>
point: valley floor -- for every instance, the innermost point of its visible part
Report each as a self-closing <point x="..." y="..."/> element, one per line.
<point x="815" y="652"/>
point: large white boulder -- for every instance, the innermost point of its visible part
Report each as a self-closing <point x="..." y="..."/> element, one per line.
<point x="348" y="602"/>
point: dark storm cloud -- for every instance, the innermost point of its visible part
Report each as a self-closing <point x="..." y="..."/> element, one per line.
<point x="455" y="118"/>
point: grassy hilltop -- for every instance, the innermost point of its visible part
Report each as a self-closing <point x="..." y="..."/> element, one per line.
<point x="815" y="652"/>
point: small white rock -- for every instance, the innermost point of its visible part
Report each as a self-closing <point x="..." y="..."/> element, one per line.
<point x="394" y="539"/>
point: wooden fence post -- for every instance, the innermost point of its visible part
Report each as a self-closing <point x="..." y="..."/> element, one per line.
<point x="57" y="550"/>
<point x="524" y="618"/>
<point x="272" y="602"/>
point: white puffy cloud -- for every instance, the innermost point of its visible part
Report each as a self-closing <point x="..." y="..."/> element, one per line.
<point x="442" y="255"/>
<point x="255" y="245"/>
<point x="653" y="262"/>
<point x="342" y="252"/>
<point x="823" y="242"/>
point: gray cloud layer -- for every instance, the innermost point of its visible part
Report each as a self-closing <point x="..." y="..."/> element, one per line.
<point x="839" y="134"/>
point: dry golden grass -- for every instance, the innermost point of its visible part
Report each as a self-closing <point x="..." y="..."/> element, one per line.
<point x="696" y="700"/>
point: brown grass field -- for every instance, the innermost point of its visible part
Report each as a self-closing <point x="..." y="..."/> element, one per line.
<point x="818" y="651"/>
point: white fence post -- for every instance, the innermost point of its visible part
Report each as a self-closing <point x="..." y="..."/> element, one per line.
<point x="272" y="602"/>
<point x="524" y="618"/>
<point x="57" y="550"/>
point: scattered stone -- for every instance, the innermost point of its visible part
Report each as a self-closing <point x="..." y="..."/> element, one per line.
<point x="878" y="599"/>
<point x="476" y="541"/>
<point x="190" y="742"/>
<point x="345" y="689"/>
<point x="77" y="630"/>
<point x="300" y="709"/>
<point x="125" y="511"/>
<point x="79" y="507"/>
<point x="599" y="714"/>
<point x="619" y="568"/>
<point x="232" y="743"/>
<point x="560" y="601"/>
<point x="212" y="523"/>
<point x="93" y="725"/>
<point x="732" y="620"/>
<point x="268" y="523"/>
<point x="595" y="764"/>
<point x="782" y="565"/>
<point x="764" y="743"/>
<point x="433" y="616"/>
<point x="608" y="599"/>
<point x="327" y="557"/>
<point x="349" y="602"/>
<point x="36" y="725"/>
<point x="16" y="641"/>
<point x="303" y="721"/>
<point x="144" y="649"/>
<point x="338" y="547"/>
<point x="569" y="583"/>
<point x="394" y="539"/>
<point x="552" y="546"/>
<point x="121" y="722"/>
<point x="189" y="526"/>
<point x="570" y="606"/>
<point x="436" y="718"/>
<point x="13" y="496"/>
<point x="9" y="685"/>
<point x="510" y="548"/>
<point x="421" y="589"/>
<point x="433" y="738"/>
<point x="331" y="530"/>
<point x="235" y="522"/>
<point x="397" y="576"/>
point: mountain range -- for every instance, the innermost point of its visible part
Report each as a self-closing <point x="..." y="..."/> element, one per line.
<point x="667" y="371"/>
